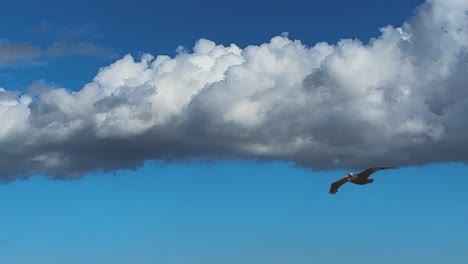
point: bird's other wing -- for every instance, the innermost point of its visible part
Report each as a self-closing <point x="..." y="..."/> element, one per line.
<point x="366" y="173"/>
<point x="334" y="186"/>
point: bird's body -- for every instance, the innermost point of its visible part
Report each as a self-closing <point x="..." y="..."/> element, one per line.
<point x="361" y="178"/>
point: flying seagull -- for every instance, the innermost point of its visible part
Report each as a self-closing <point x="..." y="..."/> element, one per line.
<point x="360" y="178"/>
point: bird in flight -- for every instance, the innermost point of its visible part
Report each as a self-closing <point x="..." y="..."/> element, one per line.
<point x="360" y="178"/>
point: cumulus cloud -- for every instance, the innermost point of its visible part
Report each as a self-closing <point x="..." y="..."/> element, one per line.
<point x="400" y="99"/>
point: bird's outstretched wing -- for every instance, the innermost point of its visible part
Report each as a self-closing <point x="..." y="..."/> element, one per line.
<point x="334" y="186"/>
<point x="366" y="173"/>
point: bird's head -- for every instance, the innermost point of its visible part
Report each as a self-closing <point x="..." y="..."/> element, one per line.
<point x="349" y="175"/>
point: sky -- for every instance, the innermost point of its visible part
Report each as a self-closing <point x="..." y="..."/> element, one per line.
<point x="210" y="132"/>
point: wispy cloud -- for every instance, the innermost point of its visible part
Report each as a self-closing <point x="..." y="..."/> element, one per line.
<point x="13" y="52"/>
<point x="400" y="99"/>
<point x="63" y="41"/>
<point x="77" y="32"/>
<point x="80" y="48"/>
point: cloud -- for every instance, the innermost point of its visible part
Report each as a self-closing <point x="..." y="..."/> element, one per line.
<point x="64" y="41"/>
<point x="400" y="99"/>
<point x="61" y="48"/>
<point x="14" y="52"/>
<point x="23" y="52"/>
<point x="78" y="32"/>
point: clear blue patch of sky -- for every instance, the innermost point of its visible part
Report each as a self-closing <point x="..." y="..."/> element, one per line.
<point x="237" y="212"/>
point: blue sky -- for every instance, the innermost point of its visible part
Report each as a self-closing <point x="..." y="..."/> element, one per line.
<point x="228" y="211"/>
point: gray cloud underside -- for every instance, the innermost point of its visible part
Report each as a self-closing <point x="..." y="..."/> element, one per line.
<point x="401" y="99"/>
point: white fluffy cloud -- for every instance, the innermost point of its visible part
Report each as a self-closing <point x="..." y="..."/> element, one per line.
<point x="400" y="99"/>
